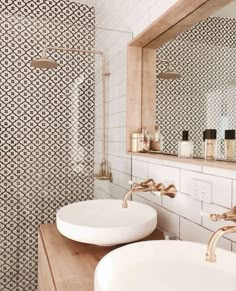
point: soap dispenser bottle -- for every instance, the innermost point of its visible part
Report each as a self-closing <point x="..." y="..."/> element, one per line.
<point x="230" y="144"/>
<point x="185" y="147"/>
<point x="210" y="144"/>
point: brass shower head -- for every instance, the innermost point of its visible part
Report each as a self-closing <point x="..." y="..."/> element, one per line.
<point x="44" y="63"/>
<point x="169" y="74"/>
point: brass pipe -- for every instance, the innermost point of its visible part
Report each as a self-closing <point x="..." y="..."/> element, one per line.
<point x="210" y="255"/>
<point x="104" y="172"/>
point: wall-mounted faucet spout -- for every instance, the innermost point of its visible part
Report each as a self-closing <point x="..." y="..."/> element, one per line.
<point x="228" y="216"/>
<point x="210" y="255"/>
<point x="150" y="186"/>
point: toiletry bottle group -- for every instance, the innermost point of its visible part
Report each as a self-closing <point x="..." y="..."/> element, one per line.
<point x="145" y="141"/>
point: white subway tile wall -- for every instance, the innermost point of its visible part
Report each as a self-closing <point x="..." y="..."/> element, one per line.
<point x="117" y="21"/>
<point x="234" y="247"/>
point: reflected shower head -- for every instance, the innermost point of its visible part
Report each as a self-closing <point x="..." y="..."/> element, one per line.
<point x="44" y="63"/>
<point x="169" y="75"/>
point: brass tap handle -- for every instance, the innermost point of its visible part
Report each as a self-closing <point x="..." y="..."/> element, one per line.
<point x="147" y="183"/>
<point x="230" y="215"/>
<point x="159" y="187"/>
<point x="169" y="191"/>
<point x="227" y="216"/>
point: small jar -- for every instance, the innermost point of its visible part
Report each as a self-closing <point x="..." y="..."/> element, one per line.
<point x="137" y="142"/>
<point x="229" y="144"/>
<point x="210" y="144"/>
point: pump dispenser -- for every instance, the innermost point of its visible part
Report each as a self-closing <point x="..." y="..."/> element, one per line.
<point x="230" y="144"/>
<point x="210" y="144"/>
<point x="185" y="147"/>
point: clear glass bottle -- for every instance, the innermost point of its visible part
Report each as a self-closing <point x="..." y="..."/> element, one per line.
<point x="229" y="144"/>
<point x="156" y="140"/>
<point x="185" y="146"/>
<point x="146" y="140"/>
<point x="210" y="144"/>
<point x="137" y="142"/>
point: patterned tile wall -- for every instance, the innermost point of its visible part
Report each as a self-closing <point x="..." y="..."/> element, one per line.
<point x="205" y="55"/>
<point x="46" y="126"/>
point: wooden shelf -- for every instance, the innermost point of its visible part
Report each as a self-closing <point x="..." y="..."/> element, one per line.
<point x="195" y="161"/>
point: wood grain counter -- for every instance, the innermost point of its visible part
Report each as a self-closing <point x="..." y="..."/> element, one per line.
<point x="66" y="265"/>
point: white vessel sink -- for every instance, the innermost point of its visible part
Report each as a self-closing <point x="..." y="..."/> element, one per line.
<point x="165" y="266"/>
<point x="105" y="222"/>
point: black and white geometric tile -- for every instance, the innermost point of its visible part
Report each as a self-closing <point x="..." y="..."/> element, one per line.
<point x="205" y="55"/>
<point x="46" y="126"/>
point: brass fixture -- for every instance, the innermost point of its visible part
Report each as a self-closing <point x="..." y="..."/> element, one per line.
<point x="104" y="171"/>
<point x="169" y="191"/>
<point x="169" y="74"/>
<point x="228" y="216"/>
<point x="150" y="186"/>
<point x="45" y="63"/>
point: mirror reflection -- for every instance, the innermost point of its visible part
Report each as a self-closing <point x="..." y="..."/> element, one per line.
<point x="196" y="88"/>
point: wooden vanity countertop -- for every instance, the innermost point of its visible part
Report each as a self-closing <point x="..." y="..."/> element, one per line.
<point x="72" y="264"/>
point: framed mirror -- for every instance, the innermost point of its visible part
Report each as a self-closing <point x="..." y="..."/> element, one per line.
<point x="198" y="41"/>
<point x="196" y="82"/>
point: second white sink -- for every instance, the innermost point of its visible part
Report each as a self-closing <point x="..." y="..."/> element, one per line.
<point x="104" y="222"/>
<point x="165" y="266"/>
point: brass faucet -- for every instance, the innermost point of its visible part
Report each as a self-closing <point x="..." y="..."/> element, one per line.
<point x="228" y="216"/>
<point x="149" y="186"/>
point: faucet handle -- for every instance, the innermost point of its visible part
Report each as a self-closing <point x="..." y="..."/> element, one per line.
<point x="147" y="183"/>
<point x="230" y="215"/>
<point x="227" y="216"/>
<point x="169" y="191"/>
<point x="212" y="216"/>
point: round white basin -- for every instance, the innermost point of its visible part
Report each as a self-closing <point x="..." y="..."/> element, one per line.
<point x="105" y="222"/>
<point x="165" y="266"/>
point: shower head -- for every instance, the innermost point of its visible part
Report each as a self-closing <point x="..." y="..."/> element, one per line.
<point x="44" y="63"/>
<point x="169" y="75"/>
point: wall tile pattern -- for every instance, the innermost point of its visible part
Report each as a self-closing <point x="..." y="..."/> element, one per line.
<point x="47" y="127"/>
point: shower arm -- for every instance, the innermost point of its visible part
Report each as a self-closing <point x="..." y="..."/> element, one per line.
<point x="165" y="61"/>
<point x="105" y="75"/>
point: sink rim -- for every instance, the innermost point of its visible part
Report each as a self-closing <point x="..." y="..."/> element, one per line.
<point x="131" y="203"/>
<point x="109" y="235"/>
<point x="117" y="261"/>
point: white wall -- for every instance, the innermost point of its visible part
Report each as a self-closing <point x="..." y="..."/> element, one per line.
<point x="182" y="214"/>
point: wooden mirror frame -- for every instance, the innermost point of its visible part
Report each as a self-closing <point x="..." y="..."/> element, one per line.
<point x="141" y="61"/>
